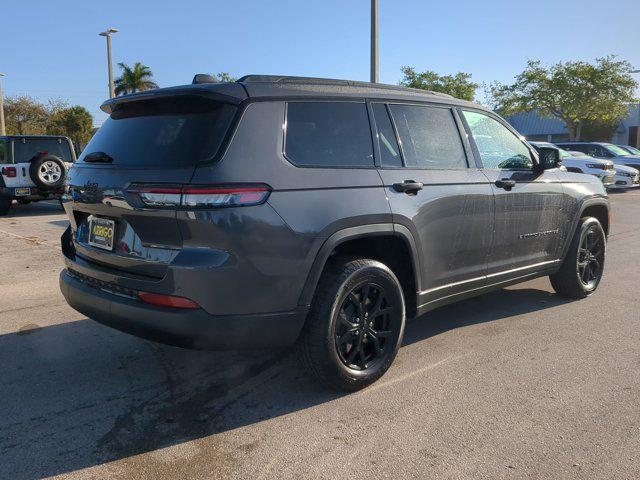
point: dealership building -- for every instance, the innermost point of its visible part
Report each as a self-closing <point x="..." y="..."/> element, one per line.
<point x="538" y="128"/>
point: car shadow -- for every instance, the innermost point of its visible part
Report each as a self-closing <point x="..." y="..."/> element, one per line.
<point x="78" y="394"/>
<point x="36" y="209"/>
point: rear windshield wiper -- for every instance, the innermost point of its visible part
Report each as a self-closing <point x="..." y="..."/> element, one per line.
<point x="98" y="157"/>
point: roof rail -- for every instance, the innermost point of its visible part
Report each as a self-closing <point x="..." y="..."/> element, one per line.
<point x="330" y="81"/>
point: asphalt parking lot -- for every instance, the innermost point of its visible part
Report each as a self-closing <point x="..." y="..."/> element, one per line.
<point x="515" y="384"/>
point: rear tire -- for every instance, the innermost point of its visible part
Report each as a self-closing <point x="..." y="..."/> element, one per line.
<point x="5" y="205"/>
<point x="582" y="268"/>
<point x="355" y="325"/>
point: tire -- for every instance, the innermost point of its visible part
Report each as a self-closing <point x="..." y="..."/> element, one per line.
<point x="582" y="268"/>
<point x="47" y="172"/>
<point x="341" y="349"/>
<point x="5" y="205"/>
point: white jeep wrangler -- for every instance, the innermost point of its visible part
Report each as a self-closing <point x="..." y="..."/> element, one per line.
<point x="33" y="168"/>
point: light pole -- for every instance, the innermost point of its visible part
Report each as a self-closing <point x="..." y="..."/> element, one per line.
<point x="3" y="130"/>
<point x="638" y="121"/>
<point x="374" y="41"/>
<point x="107" y="33"/>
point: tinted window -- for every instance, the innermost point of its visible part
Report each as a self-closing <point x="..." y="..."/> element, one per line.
<point x="167" y="132"/>
<point x="499" y="148"/>
<point x="331" y="134"/>
<point x="3" y="151"/>
<point x="24" y="149"/>
<point x="429" y="137"/>
<point x="389" y="150"/>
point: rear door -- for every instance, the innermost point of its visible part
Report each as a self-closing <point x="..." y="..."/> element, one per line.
<point x="151" y="147"/>
<point x="450" y="213"/>
<point x="529" y="219"/>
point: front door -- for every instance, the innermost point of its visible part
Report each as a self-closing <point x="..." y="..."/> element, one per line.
<point x="435" y="193"/>
<point x="529" y="221"/>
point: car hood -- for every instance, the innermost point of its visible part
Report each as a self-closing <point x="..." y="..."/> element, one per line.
<point x="623" y="168"/>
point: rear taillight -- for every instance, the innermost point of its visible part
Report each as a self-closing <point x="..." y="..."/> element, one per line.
<point x="167" y="300"/>
<point x="9" y="172"/>
<point x="199" y="196"/>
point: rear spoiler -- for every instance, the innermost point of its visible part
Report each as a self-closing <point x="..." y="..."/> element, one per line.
<point x="232" y="93"/>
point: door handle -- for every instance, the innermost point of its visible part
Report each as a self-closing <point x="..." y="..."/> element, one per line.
<point x="408" y="186"/>
<point x="506" y="184"/>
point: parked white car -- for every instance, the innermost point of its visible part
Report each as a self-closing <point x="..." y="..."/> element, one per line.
<point x="626" y="177"/>
<point x="578" y="162"/>
<point x="33" y="168"/>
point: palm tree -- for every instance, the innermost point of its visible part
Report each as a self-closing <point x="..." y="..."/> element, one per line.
<point x="136" y="79"/>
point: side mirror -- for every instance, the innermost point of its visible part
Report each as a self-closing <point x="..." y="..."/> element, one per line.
<point x="549" y="158"/>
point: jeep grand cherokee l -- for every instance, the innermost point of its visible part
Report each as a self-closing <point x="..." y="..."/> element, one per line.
<point x="276" y="211"/>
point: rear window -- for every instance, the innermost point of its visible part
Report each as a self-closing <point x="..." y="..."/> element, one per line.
<point x="328" y="134"/>
<point x="429" y="137"/>
<point x="24" y="149"/>
<point x="164" y="132"/>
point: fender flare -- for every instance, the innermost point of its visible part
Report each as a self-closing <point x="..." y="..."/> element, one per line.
<point x="588" y="202"/>
<point x="353" y="233"/>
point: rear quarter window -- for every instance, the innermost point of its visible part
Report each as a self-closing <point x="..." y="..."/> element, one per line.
<point x="328" y="134"/>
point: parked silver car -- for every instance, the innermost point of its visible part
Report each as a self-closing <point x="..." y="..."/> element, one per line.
<point x="603" y="150"/>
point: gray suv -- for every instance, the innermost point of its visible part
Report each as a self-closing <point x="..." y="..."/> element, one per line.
<point x="279" y="211"/>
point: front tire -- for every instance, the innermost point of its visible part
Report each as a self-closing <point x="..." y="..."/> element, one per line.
<point x="356" y="324"/>
<point x="581" y="271"/>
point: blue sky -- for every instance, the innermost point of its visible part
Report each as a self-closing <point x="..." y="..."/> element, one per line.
<point x="50" y="49"/>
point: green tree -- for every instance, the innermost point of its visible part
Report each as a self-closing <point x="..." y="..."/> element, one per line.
<point x="74" y="122"/>
<point x="225" y="77"/>
<point x="578" y="93"/>
<point x="458" y="85"/>
<point x="25" y="116"/>
<point x="136" y="79"/>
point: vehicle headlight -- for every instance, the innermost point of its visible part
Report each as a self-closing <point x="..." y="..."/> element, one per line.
<point x="596" y="165"/>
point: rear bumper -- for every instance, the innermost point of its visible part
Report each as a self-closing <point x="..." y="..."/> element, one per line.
<point x="195" y="329"/>
<point x="34" y="194"/>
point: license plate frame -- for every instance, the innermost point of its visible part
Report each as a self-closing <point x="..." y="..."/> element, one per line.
<point x="101" y="232"/>
<point x="22" y="191"/>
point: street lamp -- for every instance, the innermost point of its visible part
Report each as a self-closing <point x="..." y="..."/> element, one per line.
<point x="107" y="33"/>
<point x="3" y="130"/>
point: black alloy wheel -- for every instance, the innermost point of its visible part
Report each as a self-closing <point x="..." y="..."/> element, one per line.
<point x="591" y="258"/>
<point x="364" y="329"/>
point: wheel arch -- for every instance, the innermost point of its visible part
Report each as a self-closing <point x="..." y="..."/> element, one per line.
<point x="597" y="207"/>
<point x="391" y="244"/>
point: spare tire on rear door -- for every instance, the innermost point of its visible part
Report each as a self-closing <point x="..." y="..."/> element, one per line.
<point x="47" y="172"/>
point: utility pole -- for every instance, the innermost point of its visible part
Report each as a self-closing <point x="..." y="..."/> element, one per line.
<point x="374" y="41"/>
<point x="638" y="121"/>
<point x="107" y="33"/>
<point x="3" y="129"/>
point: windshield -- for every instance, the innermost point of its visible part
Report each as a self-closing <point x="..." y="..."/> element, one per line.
<point x="24" y="149"/>
<point x="564" y="154"/>
<point x="620" y="152"/>
<point x="161" y="132"/>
